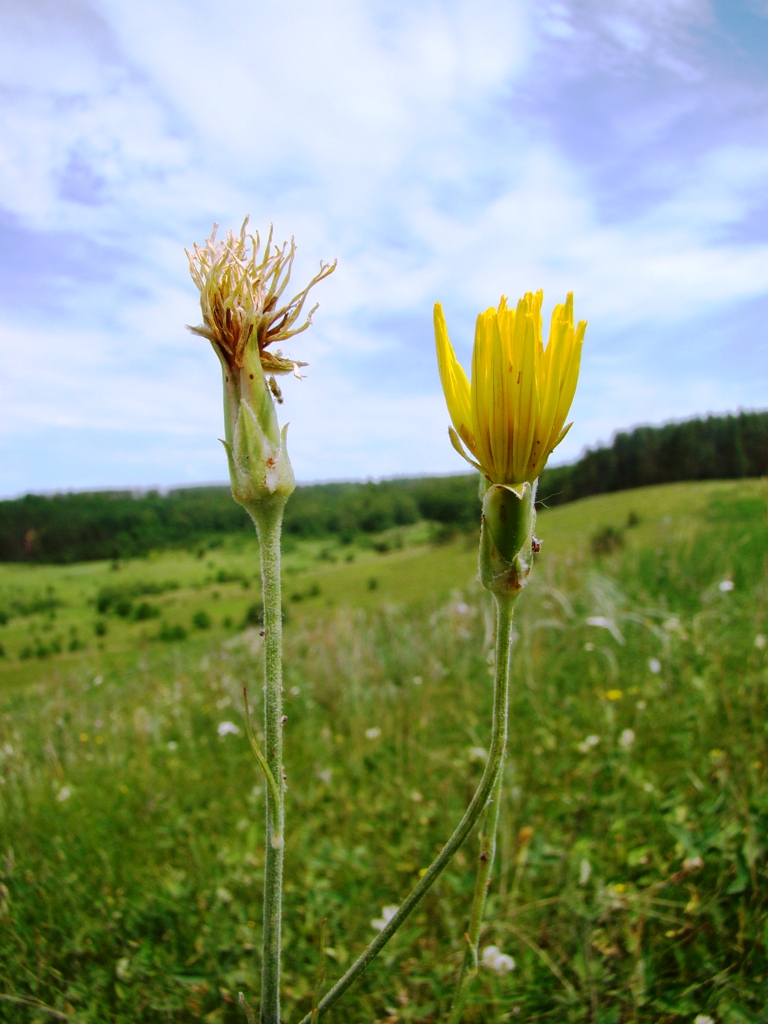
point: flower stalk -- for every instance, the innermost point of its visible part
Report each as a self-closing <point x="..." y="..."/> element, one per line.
<point x="486" y="858"/>
<point x="509" y="419"/>
<point x="241" y="291"/>
<point x="268" y="524"/>
<point x="506" y="423"/>
<point x="488" y="782"/>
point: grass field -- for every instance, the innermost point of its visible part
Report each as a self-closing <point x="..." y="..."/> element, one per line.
<point x="631" y="882"/>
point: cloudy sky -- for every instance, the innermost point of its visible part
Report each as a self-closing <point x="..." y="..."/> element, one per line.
<point x="451" y="150"/>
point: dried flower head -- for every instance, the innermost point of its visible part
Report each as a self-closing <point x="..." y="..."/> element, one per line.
<point x="240" y="292"/>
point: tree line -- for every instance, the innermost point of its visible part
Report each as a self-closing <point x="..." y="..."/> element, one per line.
<point x="120" y="524"/>
<point x="715" y="448"/>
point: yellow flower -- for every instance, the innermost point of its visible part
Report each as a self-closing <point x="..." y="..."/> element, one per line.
<point x="240" y="297"/>
<point x="513" y="414"/>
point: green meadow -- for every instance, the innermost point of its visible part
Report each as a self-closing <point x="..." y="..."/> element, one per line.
<point x="631" y="881"/>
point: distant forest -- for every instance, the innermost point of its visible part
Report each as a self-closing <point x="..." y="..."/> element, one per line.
<point x="120" y="524"/>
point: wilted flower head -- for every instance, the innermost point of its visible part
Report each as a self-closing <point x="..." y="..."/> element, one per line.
<point x="240" y="297"/>
<point x="241" y="292"/>
<point x="512" y="415"/>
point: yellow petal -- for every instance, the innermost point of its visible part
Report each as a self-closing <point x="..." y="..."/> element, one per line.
<point x="482" y="393"/>
<point x="500" y="386"/>
<point x="551" y="376"/>
<point x="570" y="377"/>
<point x="529" y="404"/>
<point x="458" y="446"/>
<point x="454" y="380"/>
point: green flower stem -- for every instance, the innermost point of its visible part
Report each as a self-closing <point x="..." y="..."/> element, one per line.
<point x="469" y="965"/>
<point x="268" y="517"/>
<point x="493" y="768"/>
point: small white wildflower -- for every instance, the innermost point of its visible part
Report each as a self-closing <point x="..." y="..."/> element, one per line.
<point x="585" y="871"/>
<point x="123" y="969"/>
<point x="64" y="794"/>
<point x="605" y="623"/>
<point x="589" y="646"/>
<point x="593" y="620"/>
<point x="462" y="608"/>
<point x="172" y="744"/>
<point x="586" y="745"/>
<point x="627" y="738"/>
<point x="654" y="665"/>
<point x="703" y="1018"/>
<point x="478" y="754"/>
<point x="693" y="863"/>
<point x="295" y="691"/>
<point x="98" y="680"/>
<point x="760" y="641"/>
<point x="641" y="705"/>
<point x="325" y="776"/>
<point x="228" y="729"/>
<point x="497" y="961"/>
<point x="373" y="733"/>
<point x="417" y="680"/>
<point x="416" y="796"/>
<point x="726" y="585"/>
<point x="387" y="913"/>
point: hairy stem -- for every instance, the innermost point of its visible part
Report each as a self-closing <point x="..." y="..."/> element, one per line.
<point x="493" y="768"/>
<point x="268" y="519"/>
<point x="482" y="882"/>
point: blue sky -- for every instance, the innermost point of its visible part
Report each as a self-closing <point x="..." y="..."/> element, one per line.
<point x="451" y="151"/>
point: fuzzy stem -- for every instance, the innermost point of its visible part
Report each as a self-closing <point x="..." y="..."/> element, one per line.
<point x="482" y="883"/>
<point x="268" y="518"/>
<point x="493" y="768"/>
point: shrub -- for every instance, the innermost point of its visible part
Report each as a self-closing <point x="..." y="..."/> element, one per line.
<point x="254" y="615"/>
<point x="174" y="632"/>
<point x="145" y="610"/>
<point x="607" y="540"/>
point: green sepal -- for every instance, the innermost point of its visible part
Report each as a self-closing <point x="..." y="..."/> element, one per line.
<point x="506" y="537"/>
<point x="260" y="471"/>
<point x="259" y="468"/>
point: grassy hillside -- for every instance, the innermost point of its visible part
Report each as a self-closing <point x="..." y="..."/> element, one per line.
<point x="68" y="528"/>
<point x="632" y="872"/>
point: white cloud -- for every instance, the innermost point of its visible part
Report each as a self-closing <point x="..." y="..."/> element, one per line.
<point x="436" y="149"/>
